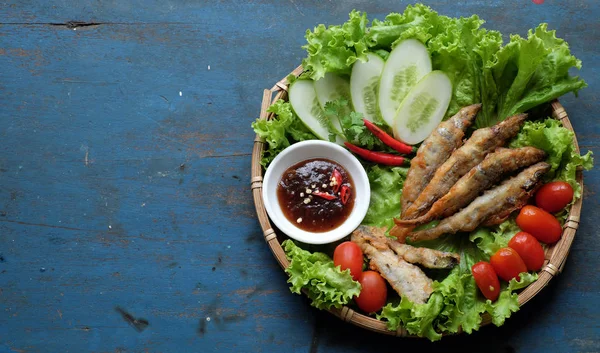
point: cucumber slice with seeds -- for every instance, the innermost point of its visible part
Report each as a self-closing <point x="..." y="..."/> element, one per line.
<point x="406" y="65"/>
<point x="364" y="86"/>
<point x="304" y="101"/>
<point x="423" y="108"/>
<point x="329" y="88"/>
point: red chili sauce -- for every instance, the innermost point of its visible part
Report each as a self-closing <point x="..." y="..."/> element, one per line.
<point x="317" y="195"/>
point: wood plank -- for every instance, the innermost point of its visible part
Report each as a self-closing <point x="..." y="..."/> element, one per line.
<point x="117" y="191"/>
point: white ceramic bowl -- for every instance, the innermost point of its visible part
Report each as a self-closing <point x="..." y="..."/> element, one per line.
<point x="308" y="150"/>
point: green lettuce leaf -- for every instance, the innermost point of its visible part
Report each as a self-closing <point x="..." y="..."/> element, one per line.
<point x="529" y="72"/>
<point x="418" y="21"/>
<point x="507" y="303"/>
<point x="490" y="241"/>
<point x="325" y="284"/>
<point x="280" y="132"/>
<point x="461" y="51"/>
<point x="550" y="136"/>
<point x="336" y="48"/>
<point x="386" y="191"/>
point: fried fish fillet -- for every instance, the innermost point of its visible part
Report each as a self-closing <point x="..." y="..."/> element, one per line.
<point x="434" y="151"/>
<point x="494" y="206"/>
<point x="406" y="279"/>
<point x="481" y="177"/>
<point x="482" y="142"/>
<point x="429" y="258"/>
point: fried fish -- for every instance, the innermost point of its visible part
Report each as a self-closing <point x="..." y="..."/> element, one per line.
<point x="429" y="258"/>
<point x="391" y="259"/>
<point x="481" y="142"/>
<point x="493" y="207"/>
<point x="434" y="151"/>
<point x="406" y="279"/>
<point x="480" y="178"/>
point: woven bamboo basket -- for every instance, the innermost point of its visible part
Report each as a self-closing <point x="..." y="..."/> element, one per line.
<point x="555" y="255"/>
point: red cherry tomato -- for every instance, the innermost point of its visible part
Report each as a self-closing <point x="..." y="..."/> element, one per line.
<point x="486" y="279"/>
<point x="348" y="255"/>
<point x="373" y="294"/>
<point x="529" y="249"/>
<point x="554" y="196"/>
<point x="539" y="223"/>
<point x="508" y="264"/>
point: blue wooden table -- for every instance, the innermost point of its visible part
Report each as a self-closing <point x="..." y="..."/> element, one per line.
<point x="126" y="218"/>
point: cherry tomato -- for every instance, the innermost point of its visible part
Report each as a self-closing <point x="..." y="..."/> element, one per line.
<point x="349" y="255"/>
<point x="539" y="223"/>
<point x="529" y="249"/>
<point x="373" y="294"/>
<point x="508" y="264"/>
<point x="554" y="196"/>
<point x="486" y="279"/>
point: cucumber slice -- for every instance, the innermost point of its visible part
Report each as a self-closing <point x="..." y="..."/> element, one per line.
<point x="304" y="101"/>
<point x="329" y="88"/>
<point x="423" y="108"/>
<point x="364" y="86"/>
<point x="407" y="64"/>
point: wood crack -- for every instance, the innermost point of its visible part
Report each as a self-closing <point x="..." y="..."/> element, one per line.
<point x="48" y="225"/>
<point x="76" y="24"/>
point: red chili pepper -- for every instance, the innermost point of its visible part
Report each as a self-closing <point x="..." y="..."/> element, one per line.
<point x="377" y="157"/>
<point x="336" y="178"/>
<point x="387" y="139"/>
<point x="345" y="194"/>
<point x="325" y="195"/>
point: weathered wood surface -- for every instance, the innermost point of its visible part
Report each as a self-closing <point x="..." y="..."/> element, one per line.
<point x="124" y="180"/>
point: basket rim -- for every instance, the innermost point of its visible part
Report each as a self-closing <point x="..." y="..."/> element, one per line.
<point x="555" y="255"/>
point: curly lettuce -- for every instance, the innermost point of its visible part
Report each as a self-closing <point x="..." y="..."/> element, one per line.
<point x="558" y="142"/>
<point x="532" y="71"/>
<point x="417" y="21"/>
<point x="280" y="132"/>
<point x="325" y="284"/>
<point x="461" y="51"/>
<point x="336" y="48"/>
<point x="489" y="241"/>
<point x="386" y="191"/>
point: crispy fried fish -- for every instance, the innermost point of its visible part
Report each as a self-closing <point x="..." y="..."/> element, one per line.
<point x="406" y="279"/>
<point x="493" y="206"/>
<point x="482" y="142"/>
<point x="429" y="258"/>
<point x="481" y="177"/>
<point x="434" y="151"/>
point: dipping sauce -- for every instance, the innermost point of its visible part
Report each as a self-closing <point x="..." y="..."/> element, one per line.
<point x="317" y="195"/>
